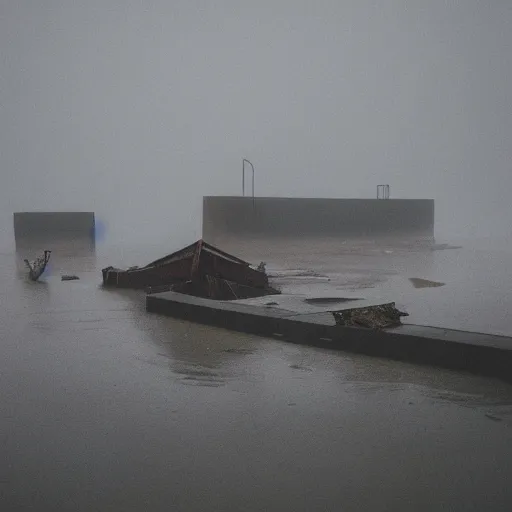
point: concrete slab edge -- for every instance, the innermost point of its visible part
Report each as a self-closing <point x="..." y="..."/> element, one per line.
<point x="440" y="348"/>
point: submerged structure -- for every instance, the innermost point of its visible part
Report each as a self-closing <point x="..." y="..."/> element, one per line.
<point x="38" y="266"/>
<point x="199" y="269"/>
<point x="292" y="319"/>
<point x="227" y="218"/>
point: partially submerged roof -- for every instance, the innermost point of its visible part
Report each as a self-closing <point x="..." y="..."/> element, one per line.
<point x="190" y="251"/>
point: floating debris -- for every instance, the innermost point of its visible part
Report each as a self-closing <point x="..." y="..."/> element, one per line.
<point x="372" y="317"/>
<point x="37" y="267"/>
<point x="493" y="418"/>
<point x="262" y="267"/>
<point x="69" y="278"/>
<point x="424" y="283"/>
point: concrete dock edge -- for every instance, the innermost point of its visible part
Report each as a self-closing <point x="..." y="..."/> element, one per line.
<point x="478" y="353"/>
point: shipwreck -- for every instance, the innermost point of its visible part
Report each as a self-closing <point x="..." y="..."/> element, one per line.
<point x="199" y="269"/>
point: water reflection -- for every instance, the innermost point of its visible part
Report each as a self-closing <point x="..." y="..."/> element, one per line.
<point x="195" y="354"/>
<point x="69" y="245"/>
<point x="200" y="355"/>
<point x="68" y="254"/>
<point x="98" y="389"/>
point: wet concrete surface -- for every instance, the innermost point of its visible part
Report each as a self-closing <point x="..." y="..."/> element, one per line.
<point x="104" y="407"/>
<point x="290" y="318"/>
<point x="477" y="278"/>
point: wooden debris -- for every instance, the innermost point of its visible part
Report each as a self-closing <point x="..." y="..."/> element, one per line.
<point x="424" y="283"/>
<point x="198" y="269"/>
<point x="38" y="266"/>
<point x="69" y="278"/>
<point x="371" y="317"/>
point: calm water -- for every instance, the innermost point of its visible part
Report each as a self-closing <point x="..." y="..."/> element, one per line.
<point x="477" y="277"/>
<point x="106" y="408"/>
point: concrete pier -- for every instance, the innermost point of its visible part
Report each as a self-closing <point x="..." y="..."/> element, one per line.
<point x="278" y="217"/>
<point x="477" y="353"/>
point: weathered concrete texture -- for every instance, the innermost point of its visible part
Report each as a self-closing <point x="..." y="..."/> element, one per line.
<point x="474" y="352"/>
<point x="61" y="225"/>
<point x="292" y="217"/>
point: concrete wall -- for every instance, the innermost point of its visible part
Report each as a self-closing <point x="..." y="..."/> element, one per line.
<point x="296" y="217"/>
<point x="457" y="350"/>
<point x="53" y="225"/>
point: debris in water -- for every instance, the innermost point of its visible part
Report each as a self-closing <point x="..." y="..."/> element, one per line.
<point x="262" y="267"/>
<point x="200" y="270"/>
<point x="371" y="317"/>
<point x="424" y="283"/>
<point x="37" y="267"/>
<point x="69" y="278"/>
<point x="299" y="367"/>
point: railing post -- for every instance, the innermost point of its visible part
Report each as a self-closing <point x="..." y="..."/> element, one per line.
<point x="244" y="161"/>
<point x="384" y="189"/>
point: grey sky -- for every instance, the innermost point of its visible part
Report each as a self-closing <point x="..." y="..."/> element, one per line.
<point x="138" y="109"/>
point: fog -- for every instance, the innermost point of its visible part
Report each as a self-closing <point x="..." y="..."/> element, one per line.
<point x="135" y="110"/>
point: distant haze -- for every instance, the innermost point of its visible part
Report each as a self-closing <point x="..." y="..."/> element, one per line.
<point x="135" y="110"/>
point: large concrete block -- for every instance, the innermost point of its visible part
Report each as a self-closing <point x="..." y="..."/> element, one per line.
<point x="298" y="217"/>
<point x="54" y="225"/>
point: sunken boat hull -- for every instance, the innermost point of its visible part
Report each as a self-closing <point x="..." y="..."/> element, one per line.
<point x="200" y="270"/>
